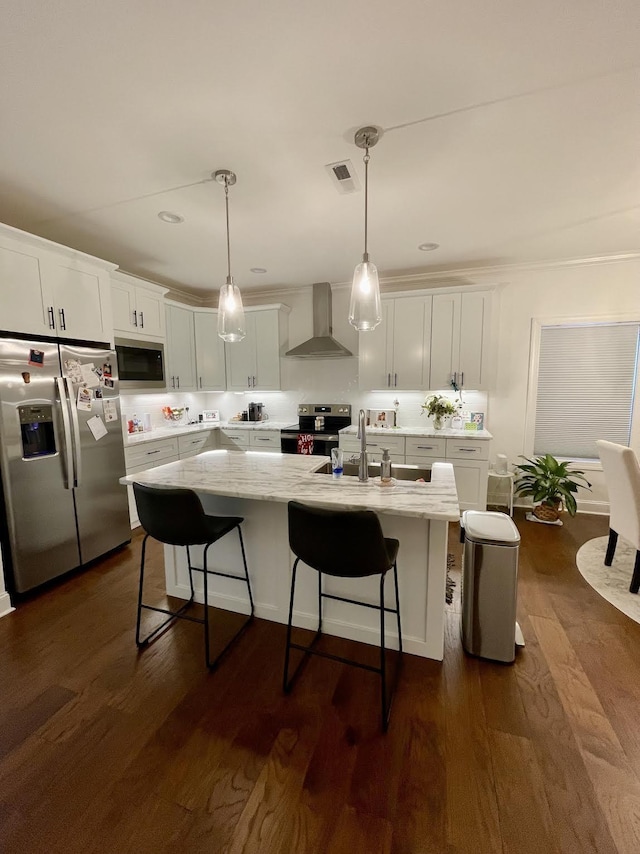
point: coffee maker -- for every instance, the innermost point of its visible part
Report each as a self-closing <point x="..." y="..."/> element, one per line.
<point x="255" y="412"/>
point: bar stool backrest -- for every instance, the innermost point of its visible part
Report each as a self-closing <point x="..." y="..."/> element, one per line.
<point x="173" y="516"/>
<point x="344" y="543"/>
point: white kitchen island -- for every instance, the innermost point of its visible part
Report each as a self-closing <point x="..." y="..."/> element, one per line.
<point x="258" y="486"/>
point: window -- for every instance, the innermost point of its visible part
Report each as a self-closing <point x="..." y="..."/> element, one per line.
<point x="586" y="387"/>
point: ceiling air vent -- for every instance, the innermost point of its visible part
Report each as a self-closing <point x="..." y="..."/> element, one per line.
<point x="343" y="176"/>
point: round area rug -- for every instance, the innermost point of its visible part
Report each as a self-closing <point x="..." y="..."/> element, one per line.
<point x="611" y="582"/>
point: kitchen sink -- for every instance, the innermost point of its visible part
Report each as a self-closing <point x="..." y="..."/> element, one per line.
<point x="399" y="471"/>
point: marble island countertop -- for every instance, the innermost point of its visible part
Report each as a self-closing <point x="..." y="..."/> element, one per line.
<point x="287" y="477"/>
<point x="424" y="433"/>
<point x="184" y="429"/>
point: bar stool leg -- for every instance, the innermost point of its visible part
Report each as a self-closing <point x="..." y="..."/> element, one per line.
<point x="138" y="620"/>
<point x="383" y="660"/>
<point x="172" y="615"/>
<point x="395" y="577"/>
<point x="286" y="685"/>
<point x="246" y="571"/>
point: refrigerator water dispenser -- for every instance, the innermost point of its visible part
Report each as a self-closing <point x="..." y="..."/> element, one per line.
<point x="36" y="429"/>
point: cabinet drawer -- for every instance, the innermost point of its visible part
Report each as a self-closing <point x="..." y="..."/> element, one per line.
<point x="467" y="449"/>
<point x="234" y="439"/>
<point x="265" y="440"/>
<point x="426" y="447"/>
<point x="151" y="453"/>
<point x="374" y="443"/>
<point x="189" y="443"/>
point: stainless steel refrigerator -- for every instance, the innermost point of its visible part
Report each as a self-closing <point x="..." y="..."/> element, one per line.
<point x="62" y="455"/>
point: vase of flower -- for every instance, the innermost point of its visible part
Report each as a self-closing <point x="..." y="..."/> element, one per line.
<point x="439" y="408"/>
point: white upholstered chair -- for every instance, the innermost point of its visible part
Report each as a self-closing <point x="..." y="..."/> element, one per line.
<point x="622" y="476"/>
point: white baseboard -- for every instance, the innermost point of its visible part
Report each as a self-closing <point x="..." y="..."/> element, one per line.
<point x="5" y="605"/>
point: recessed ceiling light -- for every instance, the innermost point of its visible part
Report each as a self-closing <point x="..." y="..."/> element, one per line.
<point x="258" y="269"/>
<point x="172" y="218"/>
<point x="428" y="247"/>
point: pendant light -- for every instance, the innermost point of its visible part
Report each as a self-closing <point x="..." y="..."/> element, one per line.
<point x="231" y="325"/>
<point x="365" y="311"/>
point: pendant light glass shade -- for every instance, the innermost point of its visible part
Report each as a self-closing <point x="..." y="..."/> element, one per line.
<point x="231" y="323"/>
<point x="365" y="310"/>
<point x="231" y="326"/>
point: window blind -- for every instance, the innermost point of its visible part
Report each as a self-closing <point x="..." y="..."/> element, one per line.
<point x="586" y="386"/>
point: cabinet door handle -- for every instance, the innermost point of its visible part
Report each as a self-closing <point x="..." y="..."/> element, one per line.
<point x="461" y="379"/>
<point x="248" y="382"/>
<point x="467" y="450"/>
<point x="151" y="453"/>
<point x="372" y="444"/>
<point x="254" y="382"/>
<point x="395" y="380"/>
<point x="141" y="320"/>
<point x="52" y="318"/>
<point x="135" y="317"/>
<point x="200" y="378"/>
<point x="426" y="447"/>
<point x="261" y="439"/>
<point x="63" y="325"/>
<point x="388" y="380"/>
<point x="173" y="382"/>
<point x="178" y="378"/>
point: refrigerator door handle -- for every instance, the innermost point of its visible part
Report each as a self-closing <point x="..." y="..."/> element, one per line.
<point x="76" y="433"/>
<point x="64" y="405"/>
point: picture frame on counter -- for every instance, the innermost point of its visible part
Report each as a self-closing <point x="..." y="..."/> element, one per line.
<point x="211" y="416"/>
<point x="381" y="418"/>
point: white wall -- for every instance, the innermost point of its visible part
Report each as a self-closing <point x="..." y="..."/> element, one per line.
<point x="588" y="290"/>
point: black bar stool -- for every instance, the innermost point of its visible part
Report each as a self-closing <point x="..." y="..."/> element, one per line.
<point x="345" y="544"/>
<point x="176" y="517"/>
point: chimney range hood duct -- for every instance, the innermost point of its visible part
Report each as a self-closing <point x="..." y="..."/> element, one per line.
<point x="323" y="345"/>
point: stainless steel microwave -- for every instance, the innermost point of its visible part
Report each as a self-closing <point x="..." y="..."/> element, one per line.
<point x="140" y="364"/>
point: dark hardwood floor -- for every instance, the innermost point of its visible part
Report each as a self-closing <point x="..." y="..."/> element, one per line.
<point x="106" y="750"/>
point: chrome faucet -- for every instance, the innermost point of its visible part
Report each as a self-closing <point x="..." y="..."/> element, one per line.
<point x="363" y="466"/>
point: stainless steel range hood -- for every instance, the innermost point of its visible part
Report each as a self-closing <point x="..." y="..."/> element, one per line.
<point x="323" y="345"/>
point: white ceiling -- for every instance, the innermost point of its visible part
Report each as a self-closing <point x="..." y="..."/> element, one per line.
<point x="511" y="132"/>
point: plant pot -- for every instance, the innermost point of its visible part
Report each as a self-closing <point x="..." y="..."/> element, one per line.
<point x="547" y="512"/>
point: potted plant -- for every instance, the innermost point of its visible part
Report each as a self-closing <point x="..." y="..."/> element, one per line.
<point x="552" y="485"/>
<point x="438" y="407"/>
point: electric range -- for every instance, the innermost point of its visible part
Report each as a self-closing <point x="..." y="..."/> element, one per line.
<point x="317" y="429"/>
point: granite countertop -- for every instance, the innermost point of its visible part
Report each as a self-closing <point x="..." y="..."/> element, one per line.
<point x="184" y="429"/>
<point x="425" y="433"/>
<point x="287" y="477"/>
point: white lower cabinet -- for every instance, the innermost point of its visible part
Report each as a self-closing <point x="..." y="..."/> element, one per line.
<point x="145" y="456"/>
<point x="351" y="445"/>
<point x="264" y="440"/>
<point x="191" y="445"/>
<point x="469" y="457"/>
<point x="243" y="439"/>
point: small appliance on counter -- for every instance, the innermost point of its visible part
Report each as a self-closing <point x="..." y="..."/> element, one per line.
<point x="255" y="412"/>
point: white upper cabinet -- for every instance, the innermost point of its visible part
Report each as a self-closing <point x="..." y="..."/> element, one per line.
<point x="181" y="362"/>
<point x="209" y="350"/>
<point x="254" y="362"/>
<point x="460" y="337"/>
<point x="396" y="354"/>
<point x="138" y="307"/>
<point x="53" y="290"/>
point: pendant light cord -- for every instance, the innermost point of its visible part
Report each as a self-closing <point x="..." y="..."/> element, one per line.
<point x="226" y="200"/>
<point x="366" y="159"/>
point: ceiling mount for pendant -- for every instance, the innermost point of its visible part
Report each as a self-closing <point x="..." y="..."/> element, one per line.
<point x="225" y="177"/>
<point x="367" y="137"/>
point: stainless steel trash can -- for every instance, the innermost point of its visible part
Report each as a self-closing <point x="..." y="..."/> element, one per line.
<point x="489" y="584"/>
